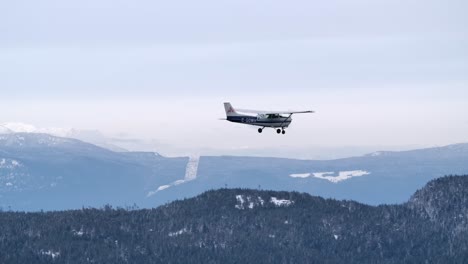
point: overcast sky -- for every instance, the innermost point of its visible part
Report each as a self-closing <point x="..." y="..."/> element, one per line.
<point x="386" y="73"/>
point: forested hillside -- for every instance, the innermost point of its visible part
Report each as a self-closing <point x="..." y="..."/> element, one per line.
<point x="249" y="226"/>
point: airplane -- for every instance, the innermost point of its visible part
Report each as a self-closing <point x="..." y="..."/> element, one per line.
<point x="273" y="119"/>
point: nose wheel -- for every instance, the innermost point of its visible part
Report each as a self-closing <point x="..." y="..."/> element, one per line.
<point x="260" y="130"/>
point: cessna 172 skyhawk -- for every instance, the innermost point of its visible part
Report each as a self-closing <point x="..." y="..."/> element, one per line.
<point x="273" y="119"/>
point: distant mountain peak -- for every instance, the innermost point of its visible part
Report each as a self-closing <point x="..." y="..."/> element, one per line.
<point x="19" y="127"/>
<point x="460" y="148"/>
<point x="16" y="127"/>
<point x="91" y="136"/>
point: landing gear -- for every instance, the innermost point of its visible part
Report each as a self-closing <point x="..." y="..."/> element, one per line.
<point x="281" y="131"/>
<point x="260" y="130"/>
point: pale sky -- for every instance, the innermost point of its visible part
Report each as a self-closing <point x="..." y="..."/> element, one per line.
<point x="378" y="73"/>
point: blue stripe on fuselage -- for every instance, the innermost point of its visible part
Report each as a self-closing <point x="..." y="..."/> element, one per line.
<point x="252" y="120"/>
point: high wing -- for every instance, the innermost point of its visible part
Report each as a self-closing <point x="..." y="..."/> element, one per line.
<point x="273" y="112"/>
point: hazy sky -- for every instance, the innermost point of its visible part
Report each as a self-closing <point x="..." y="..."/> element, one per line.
<point x="377" y="72"/>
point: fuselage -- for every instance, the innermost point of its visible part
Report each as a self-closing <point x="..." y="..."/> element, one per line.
<point x="269" y="120"/>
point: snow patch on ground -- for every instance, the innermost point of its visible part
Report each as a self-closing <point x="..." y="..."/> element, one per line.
<point x="261" y="200"/>
<point x="240" y="201"/>
<point x="192" y="168"/>
<point x="9" y="164"/>
<point x="163" y="187"/>
<point x="245" y="201"/>
<point x="178" y="182"/>
<point x="12" y="175"/>
<point x="160" y="188"/>
<point x="300" y="175"/>
<point x="342" y="175"/>
<point x="281" y="202"/>
<point x="190" y="174"/>
<point x="53" y="254"/>
<point x="78" y="233"/>
<point x="178" y="233"/>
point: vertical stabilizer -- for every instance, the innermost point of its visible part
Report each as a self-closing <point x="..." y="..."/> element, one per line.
<point x="230" y="110"/>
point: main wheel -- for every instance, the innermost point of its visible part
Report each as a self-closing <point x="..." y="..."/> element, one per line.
<point x="260" y="130"/>
<point x="284" y="131"/>
<point x="278" y="131"/>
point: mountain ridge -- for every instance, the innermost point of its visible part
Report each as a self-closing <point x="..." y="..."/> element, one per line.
<point x="83" y="174"/>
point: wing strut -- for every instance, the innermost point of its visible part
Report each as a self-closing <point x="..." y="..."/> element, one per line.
<point x="286" y="120"/>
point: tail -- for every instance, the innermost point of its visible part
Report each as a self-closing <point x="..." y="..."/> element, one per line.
<point x="230" y="110"/>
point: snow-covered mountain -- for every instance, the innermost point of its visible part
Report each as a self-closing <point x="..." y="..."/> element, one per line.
<point x="18" y="127"/>
<point x="91" y="136"/>
<point x="41" y="171"/>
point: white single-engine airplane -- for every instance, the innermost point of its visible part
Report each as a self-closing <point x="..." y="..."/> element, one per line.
<point x="273" y="119"/>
